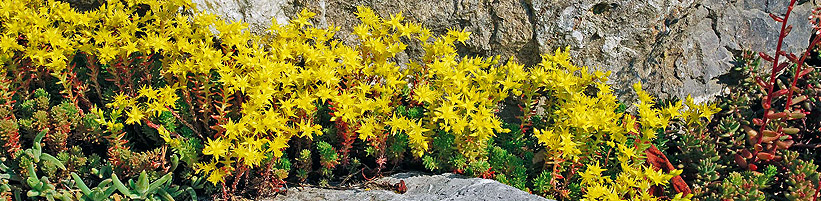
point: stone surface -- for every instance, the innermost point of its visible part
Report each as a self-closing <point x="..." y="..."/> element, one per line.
<point x="675" y="47"/>
<point x="420" y="188"/>
<point x="257" y="13"/>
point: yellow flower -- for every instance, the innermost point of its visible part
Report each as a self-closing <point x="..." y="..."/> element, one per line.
<point x="135" y="115"/>
<point x="155" y="41"/>
<point x="366" y="15"/>
<point x="8" y="43"/>
<point x="148" y="92"/>
<point x="596" y="191"/>
<point x="568" y="146"/>
<point x="120" y="101"/>
<point x="240" y="83"/>
<point x="644" y="97"/>
<point x="417" y="139"/>
<point x="682" y="197"/>
<point x="346" y="114"/>
<point x="707" y="111"/>
<point x="156" y="108"/>
<point x="216" y="148"/>
<point x="628" y="151"/>
<point x="303" y="17"/>
<point x="673" y="110"/>
<point x="460" y="36"/>
<point x="396" y="21"/>
<point x="308" y="130"/>
<point x="657" y="177"/>
<point x="398" y="123"/>
<point x="396" y="48"/>
<point x="362" y="31"/>
<point x="593" y="174"/>
<point x="459" y="125"/>
<point x="250" y="154"/>
<point x="424" y="35"/>
<point x="168" y="96"/>
<point x="234" y="129"/>
<point x="280" y="142"/>
<point x="545" y="137"/>
<point x="368" y="129"/>
<point x="217" y="176"/>
<point x="446" y="112"/>
<point x="206" y="167"/>
<point x="107" y="53"/>
<point x="629" y="123"/>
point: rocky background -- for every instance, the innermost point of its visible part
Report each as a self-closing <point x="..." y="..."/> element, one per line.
<point x="675" y="47"/>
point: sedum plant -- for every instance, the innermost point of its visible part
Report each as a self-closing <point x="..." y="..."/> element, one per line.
<point x="167" y="91"/>
<point x="102" y="191"/>
<point x="590" y="142"/>
<point x="767" y="119"/>
<point x="143" y="189"/>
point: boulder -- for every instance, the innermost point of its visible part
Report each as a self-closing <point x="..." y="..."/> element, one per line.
<point x="420" y="187"/>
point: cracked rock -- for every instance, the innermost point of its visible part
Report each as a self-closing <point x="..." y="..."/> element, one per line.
<point x="420" y="187"/>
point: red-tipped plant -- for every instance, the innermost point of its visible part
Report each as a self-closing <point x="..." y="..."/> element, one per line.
<point x="772" y="134"/>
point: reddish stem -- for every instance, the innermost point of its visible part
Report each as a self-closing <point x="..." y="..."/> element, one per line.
<point x="817" y="188"/>
<point x="800" y="64"/>
<point x="771" y="82"/>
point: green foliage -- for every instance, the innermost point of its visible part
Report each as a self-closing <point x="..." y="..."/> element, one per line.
<point x="102" y="191"/>
<point x="41" y="187"/>
<point x="51" y="168"/>
<point x="303" y="165"/>
<point x="5" y="175"/>
<point x="443" y="154"/>
<point x="143" y="189"/>
<point x="747" y="186"/>
<point x="715" y="154"/>
<point x="542" y="184"/>
<point x="505" y="163"/>
<point x="328" y="159"/>
<point x="802" y="177"/>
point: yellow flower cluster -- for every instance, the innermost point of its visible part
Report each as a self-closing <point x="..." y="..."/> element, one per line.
<point x="586" y="120"/>
<point x="582" y="117"/>
<point x="298" y="65"/>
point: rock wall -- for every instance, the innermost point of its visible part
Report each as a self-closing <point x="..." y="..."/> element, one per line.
<point x="675" y="47"/>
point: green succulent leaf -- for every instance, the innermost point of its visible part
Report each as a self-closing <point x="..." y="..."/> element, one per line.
<point x="142" y="184"/>
<point x="119" y="185"/>
<point x="164" y="195"/>
<point x="36" y="148"/>
<point x="156" y="184"/>
<point x="53" y="160"/>
<point x="80" y="184"/>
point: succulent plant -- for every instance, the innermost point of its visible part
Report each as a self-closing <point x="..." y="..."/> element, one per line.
<point x="101" y="192"/>
<point x="143" y="189"/>
<point x="41" y="187"/>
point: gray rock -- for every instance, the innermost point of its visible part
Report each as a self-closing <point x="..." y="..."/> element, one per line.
<point x="675" y="47"/>
<point x="420" y="187"/>
<point x="257" y="13"/>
